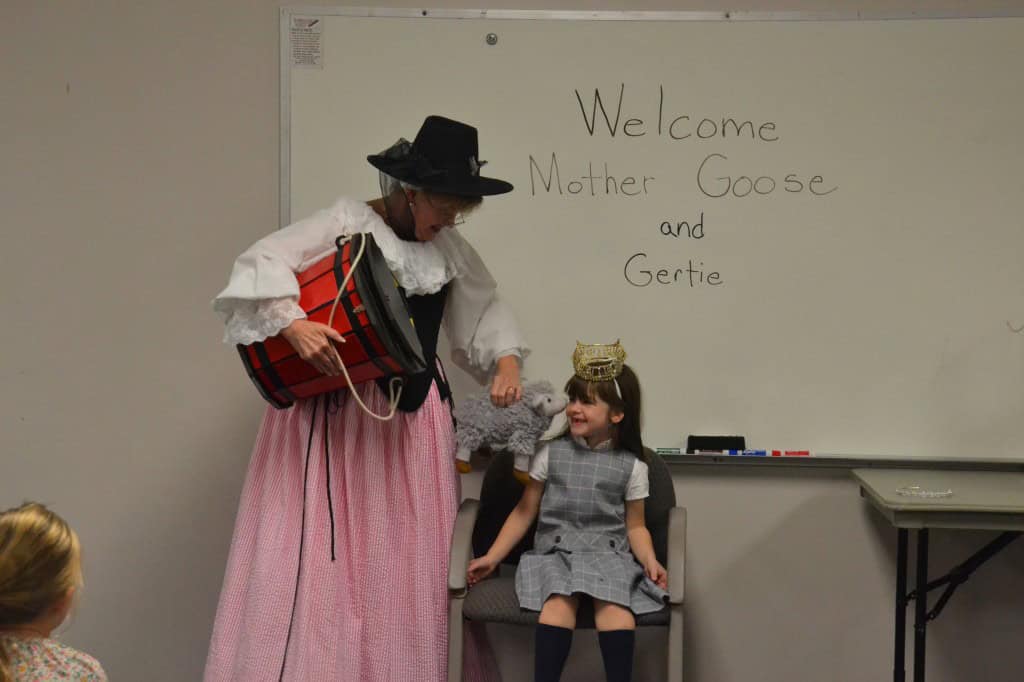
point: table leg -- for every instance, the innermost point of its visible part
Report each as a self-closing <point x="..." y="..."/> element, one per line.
<point x="899" y="673"/>
<point x="921" y="604"/>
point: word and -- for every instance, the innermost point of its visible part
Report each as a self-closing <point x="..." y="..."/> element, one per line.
<point x="683" y="228"/>
<point x="639" y="276"/>
<point x="742" y="185"/>
<point x="597" y="183"/>
<point x="678" y="128"/>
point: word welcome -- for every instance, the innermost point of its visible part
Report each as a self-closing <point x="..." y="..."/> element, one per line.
<point x="680" y="127"/>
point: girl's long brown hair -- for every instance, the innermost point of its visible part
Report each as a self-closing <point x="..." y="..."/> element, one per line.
<point x="626" y="433"/>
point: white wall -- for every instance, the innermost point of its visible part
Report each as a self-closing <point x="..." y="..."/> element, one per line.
<point x="138" y="155"/>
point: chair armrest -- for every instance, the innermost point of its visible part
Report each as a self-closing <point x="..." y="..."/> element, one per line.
<point x="676" y="554"/>
<point x="462" y="545"/>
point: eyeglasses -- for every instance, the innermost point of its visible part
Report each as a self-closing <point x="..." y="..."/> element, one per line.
<point x="452" y="219"/>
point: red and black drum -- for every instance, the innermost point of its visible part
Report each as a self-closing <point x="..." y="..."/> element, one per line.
<point x="371" y="313"/>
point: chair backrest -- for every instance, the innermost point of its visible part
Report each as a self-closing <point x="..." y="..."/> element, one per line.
<point x="500" y="492"/>
<point x="661" y="500"/>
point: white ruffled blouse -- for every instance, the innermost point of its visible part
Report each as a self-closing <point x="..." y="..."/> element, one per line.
<point x="262" y="295"/>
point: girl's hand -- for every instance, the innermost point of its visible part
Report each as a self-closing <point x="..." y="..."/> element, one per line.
<point x="657" y="573"/>
<point x="480" y="568"/>
<point x="313" y="342"/>
<point x="506" y="388"/>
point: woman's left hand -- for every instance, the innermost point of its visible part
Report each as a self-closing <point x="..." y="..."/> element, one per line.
<point x="657" y="573"/>
<point x="506" y="388"/>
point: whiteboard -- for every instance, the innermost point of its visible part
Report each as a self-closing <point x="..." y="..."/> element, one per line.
<point x="808" y="233"/>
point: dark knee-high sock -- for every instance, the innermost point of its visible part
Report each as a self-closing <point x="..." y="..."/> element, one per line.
<point x="617" y="653"/>
<point x="551" y="648"/>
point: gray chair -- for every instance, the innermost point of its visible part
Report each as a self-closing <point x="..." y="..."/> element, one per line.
<point x="494" y="600"/>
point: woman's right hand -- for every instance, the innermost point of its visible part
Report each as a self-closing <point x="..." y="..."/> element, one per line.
<point x="313" y="342"/>
<point x="480" y="568"/>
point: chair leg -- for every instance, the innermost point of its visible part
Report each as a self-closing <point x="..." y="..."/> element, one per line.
<point x="455" y="637"/>
<point x="675" y="643"/>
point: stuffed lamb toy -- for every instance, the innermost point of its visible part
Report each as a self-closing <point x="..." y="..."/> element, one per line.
<point x="516" y="428"/>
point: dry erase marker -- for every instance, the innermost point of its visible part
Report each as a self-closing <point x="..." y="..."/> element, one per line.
<point x="754" y="453"/>
<point x="797" y="453"/>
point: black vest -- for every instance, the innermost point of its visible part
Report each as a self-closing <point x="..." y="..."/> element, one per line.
<point x="426" y="311"/>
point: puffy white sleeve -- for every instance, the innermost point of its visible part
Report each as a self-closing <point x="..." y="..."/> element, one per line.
<point x="262" y="294"/>
<point x="480" y="325"/>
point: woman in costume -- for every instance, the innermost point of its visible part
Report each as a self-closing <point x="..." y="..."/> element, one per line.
<point x="338" y="564"/>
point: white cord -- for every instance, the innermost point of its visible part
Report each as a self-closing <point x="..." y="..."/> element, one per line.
<point x="395" y="396"/>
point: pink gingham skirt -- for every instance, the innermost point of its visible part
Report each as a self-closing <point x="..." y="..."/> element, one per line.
<point x="378" y="610"/>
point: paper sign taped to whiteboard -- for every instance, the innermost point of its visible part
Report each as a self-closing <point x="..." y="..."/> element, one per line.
<point x="306" y="35"/>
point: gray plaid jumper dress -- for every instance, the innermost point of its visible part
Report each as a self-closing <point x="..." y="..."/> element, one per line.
<point x="581" y="543"/>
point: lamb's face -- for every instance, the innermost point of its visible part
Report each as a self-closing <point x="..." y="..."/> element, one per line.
<point x="550" y="404"/>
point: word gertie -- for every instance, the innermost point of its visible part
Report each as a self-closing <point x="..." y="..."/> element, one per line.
<point x="638" y="276"/>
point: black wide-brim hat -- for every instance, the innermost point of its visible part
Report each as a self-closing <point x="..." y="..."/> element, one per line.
<point x="443" y="158"/>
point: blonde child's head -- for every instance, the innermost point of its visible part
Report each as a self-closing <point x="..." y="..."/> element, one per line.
<point x="40" y="568"/>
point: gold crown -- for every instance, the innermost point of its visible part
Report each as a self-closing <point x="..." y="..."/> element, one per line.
<point x="598" y="361"/>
